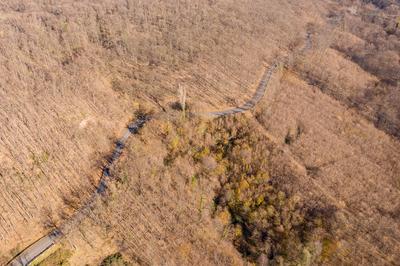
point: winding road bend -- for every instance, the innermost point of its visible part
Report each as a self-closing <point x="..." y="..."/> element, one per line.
<point x="39" y="247"/>
<point x="262" y="86"/>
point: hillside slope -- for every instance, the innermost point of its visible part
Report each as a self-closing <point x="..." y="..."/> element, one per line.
<point x="73" y="73"/>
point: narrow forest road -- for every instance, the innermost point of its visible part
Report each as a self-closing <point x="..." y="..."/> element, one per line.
<point x="46" y="242"/>
<point x="36" y="249"/>
<point x="262" y="86"/>
<point x="33" y="251"/>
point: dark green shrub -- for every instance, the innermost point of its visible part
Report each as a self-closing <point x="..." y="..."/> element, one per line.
<point x="114" y="260"/>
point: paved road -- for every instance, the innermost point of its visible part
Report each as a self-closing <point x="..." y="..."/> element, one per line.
<point x="40" y="246"/>
<point x="262" y="86"/>
<point x="43" y="244"/>
<point x="36" y="249"/>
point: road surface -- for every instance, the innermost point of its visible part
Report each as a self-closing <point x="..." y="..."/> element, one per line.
<point x="36" y="249"/>
<point x="43" y="244"/>
<point x="262" y="86"/>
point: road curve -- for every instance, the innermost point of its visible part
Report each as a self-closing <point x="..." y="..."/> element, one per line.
<point x="250" y="104"/>
<point x="262" y="86"/>
<point x="43" y="244"/>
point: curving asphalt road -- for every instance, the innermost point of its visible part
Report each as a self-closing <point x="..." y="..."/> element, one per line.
<point x="262" y="86"/>
<point x="43" y="244"/>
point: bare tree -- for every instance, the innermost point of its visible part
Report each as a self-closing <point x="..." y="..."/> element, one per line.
<point x="182" y="97"/>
